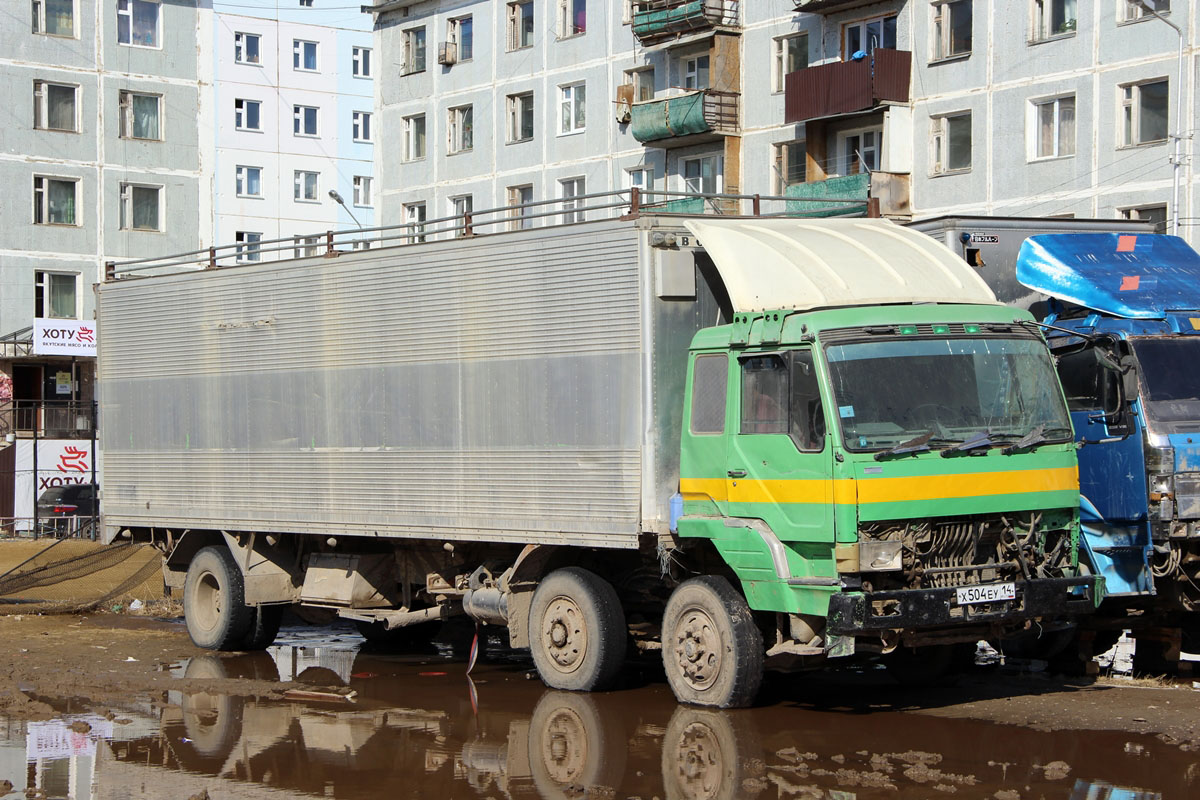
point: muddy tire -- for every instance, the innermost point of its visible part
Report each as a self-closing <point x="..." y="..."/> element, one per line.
<point x="264" y="627"/>
<point x="712" y="650"/>
<point x="214" y="601"/>
<point x="713" y="755"/>
<point x="577" y="631"/>
<point x="576" y="749"/>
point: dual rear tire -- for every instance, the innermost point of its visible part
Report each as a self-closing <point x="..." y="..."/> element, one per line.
<point x="214" y="606"/>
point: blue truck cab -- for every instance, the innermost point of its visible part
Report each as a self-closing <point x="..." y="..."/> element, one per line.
<point x="1123" y="321"/>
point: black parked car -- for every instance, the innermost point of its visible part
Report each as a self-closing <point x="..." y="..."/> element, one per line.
<point x="63" y="510"/>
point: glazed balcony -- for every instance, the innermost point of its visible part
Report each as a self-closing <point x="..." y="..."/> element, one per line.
<point x="844" y="87"/>
<point x="656" y="21"/>
<point x="692" y="117"/>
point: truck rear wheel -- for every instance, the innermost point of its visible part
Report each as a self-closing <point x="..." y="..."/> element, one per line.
<point x="214" y="601"/>
<point x="577" y="631"/>
<point x="264" y="627"/>
<point x="712" y="650"/>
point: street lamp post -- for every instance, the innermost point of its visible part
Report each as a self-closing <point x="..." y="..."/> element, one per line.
<point x="337" y="198"/>
<point x="1177" y="158"/>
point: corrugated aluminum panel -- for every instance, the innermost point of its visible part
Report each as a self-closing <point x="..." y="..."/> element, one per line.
<point x="486" y="388"/>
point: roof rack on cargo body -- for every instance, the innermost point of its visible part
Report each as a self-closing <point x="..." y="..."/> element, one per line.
<point x="627" y="203"/>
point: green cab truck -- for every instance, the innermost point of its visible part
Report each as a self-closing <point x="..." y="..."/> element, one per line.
<point x="742" y="442"/>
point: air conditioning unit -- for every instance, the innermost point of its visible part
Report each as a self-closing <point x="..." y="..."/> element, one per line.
<point x="447" y="54"/>
<point x="624" y="103"/>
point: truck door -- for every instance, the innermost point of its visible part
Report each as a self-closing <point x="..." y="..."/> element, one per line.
<point x="780" y="460"/>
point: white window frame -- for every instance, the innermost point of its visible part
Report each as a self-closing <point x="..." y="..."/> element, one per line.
<point x="566" y="18"/>
<point x="457" y="138"/>
<point x="939" y="128"/>
<point x="779" y="163"/>
<point x="690" y="71"/>
<point x="410" y="38"/>
<point x="718" y="171"/>
<point x="1041" y="18"/>
<point x="241" y="106"/>
<point x="1136" y="212"/>
<point x="42" y="280"/>
<point x="516" y="104"/>
<point x="364" y="191"/>
<point x="1035" y="127"/>
<point x="248" y="246"/>
<point x="1129" y="113"/>
<point x="849" y="164"/>
<point x="646" y="182"/>
<point x="127" y="13"/>
<point x="299" y="46"/>
<point x="241" y="181"/>
<point x="460" y="206"/>
<point x="125" y="126"/>
<point x="568" y="101"/>
<point x="306" y="246"/>
<point x="38" y="9"/>
<point x="941" y="29"/>
<point x="360" y="125"/>
<point x="410" y="138"/>
<point x="464" y="47"/>
<point x="519" y="218"/>
<point x="298" y="117"/>
<point x="360" y="61"/>
<point x="1132" y="11"/>
<point x="516" y="28"/>
<point x="569" y="192"/>
<point x="415" y="215"/>
<point x="240" y="40"/>
<point x="41" y="200"/>
<point x="300" y="186"/>
<point x="862" y="26"/>
<point x="41" y="98"/>
<point x="125" y="190"/>
<point x="642" y="80"/>
<point x="780" y="61"/>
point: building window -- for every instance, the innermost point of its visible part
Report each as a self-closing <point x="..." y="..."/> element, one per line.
<point x="951" y="143"/>
<point x="248" y="248"/>
<point x="54" y="17"/>
<point x="362" y="191"/>
<point x="54" y="107"/>
<point x="140" y="207"/>
<point x="304" y="120"/>
<point x="1132" y="10"/>
<point x="361" y="126"/>
<point x="414" y="218"/>
<point x="54" y="200"/>
<point x="573" y="105"/>
<point x="304" y="55"/>
<point x="520" y="25"/>
<point x="246" y="115"/>
<point x="249" y="181"/>
<point x="1156" y="214"/>
<point x="865" y="35"/>
<point x="520" y="117"/>
<point x="247" y="48"/>
<point x="1143" y="112"/>
<point x="461" y="34"/>
<point x="859" y="151"/>
<point x="640" y="178"/>
<point x="701" y="175"/>
<point x="572" y="18"/>
<point x="572" y="190"/>
<point x="306" y="186"/>
<point x="55" y="295"/>
<point x="414" y="50"/>
<point x="361" y="58"/>
<point x="520" y="214"/>
<point x="791" y="54"/>
<point x="1055" y="120"/>
<point x="460" y="207"/>
<point x="951" y="28"/>
<point x="414" y="137"/>
<point x="306" y="246"/>
<point x="460" y="129"/>
<point x="643" y="83"/>
<point x="789" y="165"/>
<point x="695" y="72"/>
<point x="1052" y="18"/>
<point x="306" y="3"/>
<point x="137" y="23"/>
<point x="139" y="117"/>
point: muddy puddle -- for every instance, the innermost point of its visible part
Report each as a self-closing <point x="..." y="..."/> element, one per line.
<point x="358" y="724"/>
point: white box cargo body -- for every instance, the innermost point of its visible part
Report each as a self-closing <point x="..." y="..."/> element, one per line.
<point x="522" y="387"/>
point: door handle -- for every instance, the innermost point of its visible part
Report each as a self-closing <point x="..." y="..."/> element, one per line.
<point x="737" y="473"/>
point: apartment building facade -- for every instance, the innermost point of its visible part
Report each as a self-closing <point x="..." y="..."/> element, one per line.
<point x="1018" y="107"/>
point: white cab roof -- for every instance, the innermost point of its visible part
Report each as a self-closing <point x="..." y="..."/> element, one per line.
<point x="824" y="263"/>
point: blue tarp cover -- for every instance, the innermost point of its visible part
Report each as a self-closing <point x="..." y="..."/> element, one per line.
<point x="1131" y="275"/>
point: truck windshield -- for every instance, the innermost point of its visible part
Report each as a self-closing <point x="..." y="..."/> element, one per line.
<point x="887" y="392"/>
<point x="1171" y="383"/>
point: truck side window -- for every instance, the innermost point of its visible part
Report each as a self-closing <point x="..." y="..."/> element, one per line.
<point x="808" y="415"/>
<point x="710" y="376"/>
<point x="764" y="394"/>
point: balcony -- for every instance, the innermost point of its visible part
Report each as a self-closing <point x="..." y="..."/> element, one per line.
<point x="655" y="21"/>
<point x="694" y="117"/>
<point x="47" y="419"/>
<point x="844" y="87"/>
<point x="829" y="6"/>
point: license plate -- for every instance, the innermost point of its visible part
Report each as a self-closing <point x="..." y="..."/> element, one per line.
<point x="990" y="593"/>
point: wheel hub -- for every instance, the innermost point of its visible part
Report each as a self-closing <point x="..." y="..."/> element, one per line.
<point x="698" y="649"/>
<point x="701" y="762"/>
<point x="564" y="635"/>
<point x="565" y="748"/>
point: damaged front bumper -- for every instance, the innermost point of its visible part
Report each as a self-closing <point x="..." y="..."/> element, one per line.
<point x="854" y="613"/>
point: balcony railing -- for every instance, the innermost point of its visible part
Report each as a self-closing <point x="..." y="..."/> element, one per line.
<point x="691" y="114"/>
<point x="842" y="87"/>
<point x="657" y="20"/>
<point x="48" y="419"/>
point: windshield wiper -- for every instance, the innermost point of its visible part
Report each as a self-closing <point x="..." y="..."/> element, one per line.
<point x="1032" y="439"/>
<point x="918" y="444"/>
<point x="975" y="440"/>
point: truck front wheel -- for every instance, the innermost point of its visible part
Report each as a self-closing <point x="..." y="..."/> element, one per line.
<point x="214" y="601"/>
<point x="712" y="650"/>
<point x="577" y="631"/>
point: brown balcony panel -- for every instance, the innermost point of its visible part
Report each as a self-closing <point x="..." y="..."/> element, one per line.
<point x="842" y="87"/>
